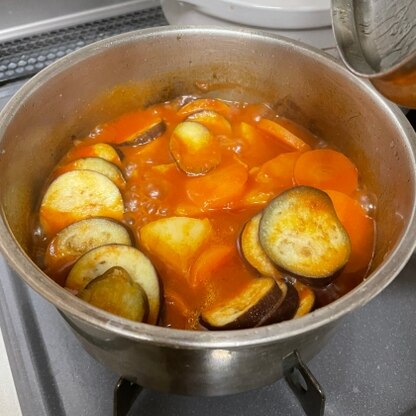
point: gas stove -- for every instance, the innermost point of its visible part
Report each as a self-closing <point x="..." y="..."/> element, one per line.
<point x="367" y="368"/>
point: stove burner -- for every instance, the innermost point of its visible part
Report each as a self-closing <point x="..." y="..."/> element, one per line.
<point x="298" y="376"/>
<point x="304" y="385"/>
<point x="125" y="394"/>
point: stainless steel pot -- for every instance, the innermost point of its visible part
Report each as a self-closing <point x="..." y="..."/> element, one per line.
<point x="73" y="95"/>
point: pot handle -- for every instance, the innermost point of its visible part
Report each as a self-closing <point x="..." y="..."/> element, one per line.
<point x="304" y="385"/>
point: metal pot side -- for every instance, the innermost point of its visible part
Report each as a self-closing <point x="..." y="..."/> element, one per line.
<point x="107" y="78"/>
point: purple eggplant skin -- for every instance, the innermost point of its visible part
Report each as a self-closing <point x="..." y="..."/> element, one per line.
<point x="285" y="310"/>
<point x="249" y="317"/>
<point x="318" y="283"/>
<point x="146" y="136"/>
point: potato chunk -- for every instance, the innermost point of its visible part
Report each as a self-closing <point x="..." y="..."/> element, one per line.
<point x="176" y="240"/>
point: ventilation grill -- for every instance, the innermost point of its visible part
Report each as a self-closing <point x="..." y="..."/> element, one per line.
<point x="24" y="57"/>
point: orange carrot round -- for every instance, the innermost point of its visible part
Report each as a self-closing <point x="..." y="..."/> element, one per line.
<point x="326" y="169"/>
<point x="282" y="134"/>
<point x="279" y="169"/>
<point x="360" y="228"/>
<point x="222" y="186"/>
<point x="208" y="262"/>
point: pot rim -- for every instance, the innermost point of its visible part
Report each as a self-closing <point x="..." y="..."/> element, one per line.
<point x="176" y="338"/>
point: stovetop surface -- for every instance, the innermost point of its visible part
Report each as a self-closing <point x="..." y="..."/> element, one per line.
<point x="367" y="368"/>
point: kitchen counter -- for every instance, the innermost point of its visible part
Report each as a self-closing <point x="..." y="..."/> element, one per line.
<point x="9" y="404"/>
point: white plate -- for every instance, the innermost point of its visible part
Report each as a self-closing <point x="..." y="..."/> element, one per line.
<point x="270" y="14"/>
<point x="179" y="13"/>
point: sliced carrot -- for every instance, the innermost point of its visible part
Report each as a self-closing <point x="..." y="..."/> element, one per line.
<point x="272" y="178"/>
<point x="253" y="147"/>
<point x="360" y="228"/>
<point x="285" y="136"/>
<point x="326" y="169"/>
<point x="279" y="169"/>
<point x="204" y="104"/>
<point x="216" y="189"/>
<point x="299" y="130"/>
<point x="208" y="262"/>
<point x="257" y="193"/>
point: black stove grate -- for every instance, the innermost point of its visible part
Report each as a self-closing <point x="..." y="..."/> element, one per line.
<point x="25" y="57"/>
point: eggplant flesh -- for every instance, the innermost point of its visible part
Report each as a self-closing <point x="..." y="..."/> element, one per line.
<point x="252" y="250"/>
<point x="306" y="299"/>
<point x="301" y="233"/>
<point x="77" y="195"/>
<point x="96" y="262"/>
<point x="117" y="293"/>
<point x="82" y="236"/>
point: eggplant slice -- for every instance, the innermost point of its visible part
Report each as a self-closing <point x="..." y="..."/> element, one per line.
<point x="306" y="299"/>
<point x="252" y="250"/>
<point x="77" y="195"/>
<point x="96" y="262"/>
<point x="145" y="136"/>
<point x="102" y="150"/>
<point x="117" y="293"/>
<point x="82" y="236"/>
<point x="247" y="309"/>
<point x="195" y="149"/>
<point x="286" y="308"/>
<point x="201" y="104"/>
<point x="97" y="165"/>
<point x="301" y="233"/>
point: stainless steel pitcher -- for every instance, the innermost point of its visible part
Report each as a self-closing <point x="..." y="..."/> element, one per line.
<point x="377" y="40"/>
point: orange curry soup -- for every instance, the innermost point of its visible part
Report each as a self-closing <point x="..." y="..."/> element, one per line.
<point x="258" y="155"/>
